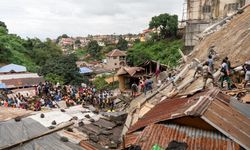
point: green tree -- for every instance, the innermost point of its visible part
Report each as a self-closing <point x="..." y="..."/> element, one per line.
<point x="122" y="44"/>
<point x="65" y="36"/>
<point x="94" y="49"/>
<point x="3" y="25"/>
<point x="166" y="51"/>
<point x="168" y="25"/>
<point x="100" y="83"/>
<point x="77" y="41"/>
<point x="54" y="78"/>
<point x="65" y="67"/>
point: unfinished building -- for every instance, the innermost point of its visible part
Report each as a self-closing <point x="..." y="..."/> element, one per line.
<point x="200" y="14"/>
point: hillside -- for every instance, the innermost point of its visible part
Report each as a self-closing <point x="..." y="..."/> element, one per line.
<point x="31" y="53"/>
<point x="166" y="51"/>
<point x="233" y="40"/>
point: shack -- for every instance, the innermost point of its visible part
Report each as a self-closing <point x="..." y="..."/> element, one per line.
<point x="151" y="67"/>
<point x="128" y="75"/>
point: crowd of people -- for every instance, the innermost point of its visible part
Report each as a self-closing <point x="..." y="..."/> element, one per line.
<point x="145" y="85"/>
<point x="48" y="95"/>
<point x="207" y="70"/>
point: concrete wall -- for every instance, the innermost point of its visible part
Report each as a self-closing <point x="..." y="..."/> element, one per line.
<point x="192" y="32"/>
<point x="199" y="19"/>
<point x="115" y="62"/>
<point x="121" y="80"/>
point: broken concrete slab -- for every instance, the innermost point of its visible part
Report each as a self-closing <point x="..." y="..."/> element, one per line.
<point x="102" y="123"/>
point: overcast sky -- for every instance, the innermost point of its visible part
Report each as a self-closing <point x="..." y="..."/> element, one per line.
<point x="51" y="18"/>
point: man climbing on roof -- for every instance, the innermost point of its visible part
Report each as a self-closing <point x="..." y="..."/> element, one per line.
<point x="247" y="74"/>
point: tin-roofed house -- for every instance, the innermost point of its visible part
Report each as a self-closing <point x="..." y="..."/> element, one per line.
<point x="128" y="75"/>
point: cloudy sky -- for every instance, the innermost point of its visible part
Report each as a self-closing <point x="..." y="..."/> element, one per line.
<point x="51" y="18"/>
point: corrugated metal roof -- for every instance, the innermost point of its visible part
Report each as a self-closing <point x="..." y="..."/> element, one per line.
<point x="229" y="121"/>
<point x="13" y="83"/>
<point x="129" y="70"/>
<point x="195" y="138"/>
<point x="166" y="110"/>
<point x="211" y="106"/>
<point x="13" y="132"/>
<point x="18" y="76"/>
<point x="85" y="70"/>
<point x="13" y="67"/>
<point x="86" y="145"/>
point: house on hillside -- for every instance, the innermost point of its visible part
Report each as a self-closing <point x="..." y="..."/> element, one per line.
<point x="116" y="59"/>
<point x="200" y="14"/>
<point x="205" y="120"/>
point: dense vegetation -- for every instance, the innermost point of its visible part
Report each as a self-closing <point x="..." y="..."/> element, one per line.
<point x="162" y="45"/>
<point x="164" y="50"/>
<point x="31" y="53"/>
<point x="62" y="70"/>
<point x="38" y="56"/>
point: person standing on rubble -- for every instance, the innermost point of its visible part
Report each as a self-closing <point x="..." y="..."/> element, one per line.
<point x="207" y="74"/>
<point x="134" y="89"/>
<point x="231" y="71"/>
<point x="210" y="62"/>
<point x="225" y="74"/>
<point x="247" y="74"/>
<point x="198" y="70"/>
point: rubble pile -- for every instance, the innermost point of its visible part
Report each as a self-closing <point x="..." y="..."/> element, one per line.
<point x="232" y="41"/>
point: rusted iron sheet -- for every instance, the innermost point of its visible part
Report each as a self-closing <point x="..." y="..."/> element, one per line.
<point x="86" y="145"/>
<point x="195" y="138"/>
<point x="167" y="109"/>
<point x="176" y="108"/>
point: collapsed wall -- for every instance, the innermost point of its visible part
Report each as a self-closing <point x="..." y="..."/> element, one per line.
<point x="232" y="40"/>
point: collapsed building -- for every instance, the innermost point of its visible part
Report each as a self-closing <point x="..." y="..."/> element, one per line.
<point x="73" y="128"/>
<point x="186" y="115"/>
<point x="200" y="14"/>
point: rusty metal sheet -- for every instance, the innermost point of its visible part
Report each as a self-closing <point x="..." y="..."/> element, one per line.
<point x="195" y="138"/>
<point x="176" y="108"/>
<point x="86" y="145"/>
<point x="167" y="109"/>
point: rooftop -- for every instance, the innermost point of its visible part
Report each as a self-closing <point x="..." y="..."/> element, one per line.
<point x="211" y="106"/>
<point x="116" y="53"/>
